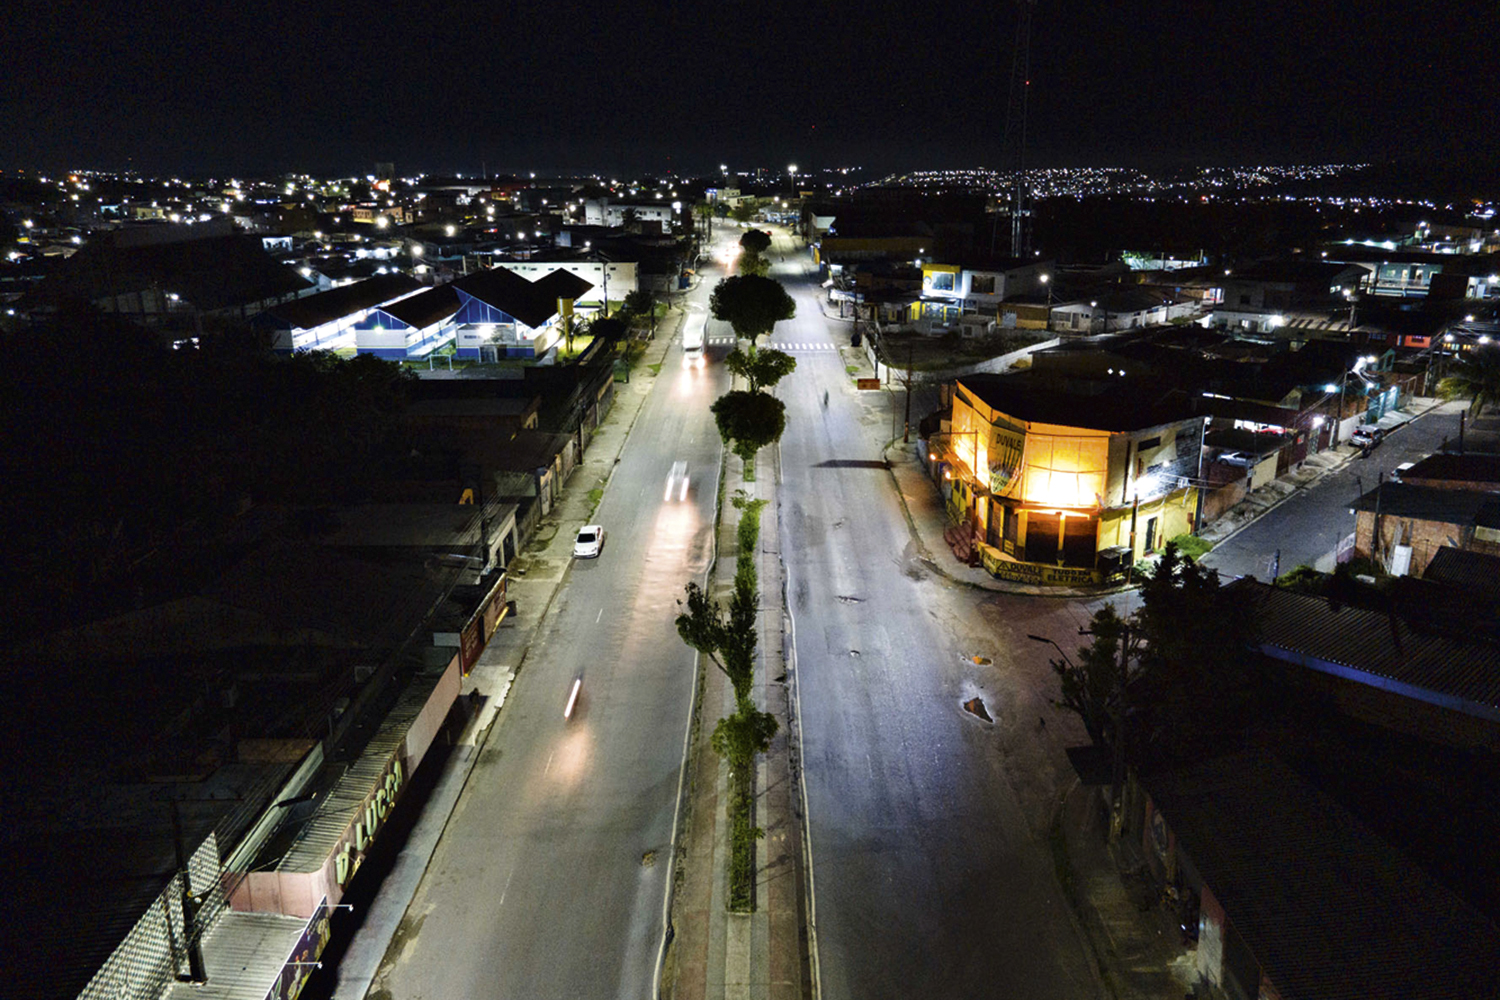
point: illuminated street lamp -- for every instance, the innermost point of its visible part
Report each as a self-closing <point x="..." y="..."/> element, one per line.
<point x="1047" y="281"/>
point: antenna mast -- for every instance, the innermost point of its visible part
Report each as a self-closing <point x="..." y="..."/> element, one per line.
<point x="1014" y="142"/>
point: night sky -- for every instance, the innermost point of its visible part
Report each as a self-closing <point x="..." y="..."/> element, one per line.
<point x="560" y="86"/>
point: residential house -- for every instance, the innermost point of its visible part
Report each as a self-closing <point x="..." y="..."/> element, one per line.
<point x="1401" y="526"/>
<point x="1119" y="308"/>
<point x="1056" y="483"/>
<point x="951" y="287"/>
<point x="1297" y="898"/>
<point x="1258" y="298"/>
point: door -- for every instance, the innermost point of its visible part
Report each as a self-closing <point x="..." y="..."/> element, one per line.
<point x="1150" y="545"/>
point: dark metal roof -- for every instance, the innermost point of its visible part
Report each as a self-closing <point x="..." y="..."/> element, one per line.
<point x="1461" y="468"/>
<point x="1120" y="405"/>
<point x="1378" y="648"/>
<point x="531" y="302"/>
<point x="325" y="307"/>
<point x="421" y="311"/>
<point x="1474" y="572"/>
<point x="211" y="273"/>
<point x="1328" y="909"/>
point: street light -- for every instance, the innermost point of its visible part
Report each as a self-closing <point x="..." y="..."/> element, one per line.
<point x="1047" y="281"/>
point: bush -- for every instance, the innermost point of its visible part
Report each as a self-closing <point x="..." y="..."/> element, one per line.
<point x="1192" y="546"/>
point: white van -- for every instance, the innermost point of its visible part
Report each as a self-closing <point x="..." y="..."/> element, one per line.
<point x="692" y="341"/>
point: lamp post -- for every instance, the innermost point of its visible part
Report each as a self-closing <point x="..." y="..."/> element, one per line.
<point x="1047" y="282"/>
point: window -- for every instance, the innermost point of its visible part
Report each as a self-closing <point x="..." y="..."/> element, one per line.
<point x="1149" y="443"/>
<point x="982" y="284"/>
<point x="942" y="281"/>
<point x="1244" y="300"/>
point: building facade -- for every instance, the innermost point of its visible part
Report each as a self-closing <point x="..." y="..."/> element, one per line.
<point x="1051" y="498"/>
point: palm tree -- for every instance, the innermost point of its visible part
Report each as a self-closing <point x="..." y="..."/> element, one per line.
<point x="1474" y="376"/>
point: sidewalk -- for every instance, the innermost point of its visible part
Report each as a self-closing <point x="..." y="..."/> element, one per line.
<point x="535" y="576"/>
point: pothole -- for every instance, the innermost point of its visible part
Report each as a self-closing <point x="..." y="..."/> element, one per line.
<point x="975" y="706"/>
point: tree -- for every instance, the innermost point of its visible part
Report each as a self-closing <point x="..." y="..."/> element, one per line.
<point x="1094" y="688"/>
<point x="728" y="640"/>
<point x="608" y="328"/>
<point x="629" y="217"/>
<point x="761" y="368"/>
<point x="748" y="421"/>
<point x="756" y="241"/>
<point x="1474" y="376"/>
<point x="638" y="303"/>
<point x="704" y="211"/>
<point x="742" y="212"/>
<point x="1185" y="670"/>
<point x="752" y="265"/>
<point x="751" y="304"/>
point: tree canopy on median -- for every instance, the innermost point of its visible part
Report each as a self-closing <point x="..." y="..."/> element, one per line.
<point x="756" y="241"/>
<point x="748" y="421"/>
<point x="761" y="368"/>
<point x="751" y="304"/>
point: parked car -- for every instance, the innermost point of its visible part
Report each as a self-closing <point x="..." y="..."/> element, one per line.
<point x="1401" y="470"/>
<point x="589" y="542"/>
<point x="1241" y="458"/>
<point x="1367" y="436"/>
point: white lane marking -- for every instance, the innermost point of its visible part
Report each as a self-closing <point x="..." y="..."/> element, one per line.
<point x="598" y="616"/>
<point x="547" y="770"/>
<point x="507" y="884"/>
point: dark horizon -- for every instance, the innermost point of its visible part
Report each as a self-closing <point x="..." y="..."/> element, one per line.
<point x="587" y="88"/>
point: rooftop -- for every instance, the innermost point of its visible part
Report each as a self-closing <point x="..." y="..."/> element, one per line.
<point x="1115" y="405"/>
<point x="1328" y="909"/>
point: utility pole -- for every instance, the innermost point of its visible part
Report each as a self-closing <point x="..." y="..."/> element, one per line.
<point x="1117" y="770"/>
<point x="197" y="971"/>
<point x="906" y="431"/>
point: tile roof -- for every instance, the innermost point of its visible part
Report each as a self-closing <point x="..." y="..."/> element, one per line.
<point x="1328" y="909"/>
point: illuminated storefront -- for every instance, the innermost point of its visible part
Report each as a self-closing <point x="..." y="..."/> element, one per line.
<point x="1055" y="502"/>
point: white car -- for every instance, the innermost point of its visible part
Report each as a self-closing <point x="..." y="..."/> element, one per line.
<point x="677" y="482"/>
<point x="589" y="541"/>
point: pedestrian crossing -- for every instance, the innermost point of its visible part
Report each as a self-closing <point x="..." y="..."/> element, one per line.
<point x="802" y="346"/>
<point x="780" y="345"/>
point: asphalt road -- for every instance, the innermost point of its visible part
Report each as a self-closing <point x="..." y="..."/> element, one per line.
<point x="927" y="879"/>
<point x="551" y="876"/>
<point x="1307" y="526"/>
